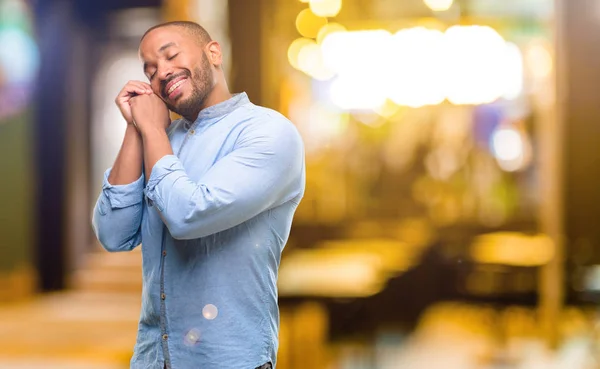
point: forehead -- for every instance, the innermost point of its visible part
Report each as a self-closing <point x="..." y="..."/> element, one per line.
<point x="153" y="42"/>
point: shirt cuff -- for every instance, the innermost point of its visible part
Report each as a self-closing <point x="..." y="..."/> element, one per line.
<point x="165" y="166"/>
<point x="122" y="196"/>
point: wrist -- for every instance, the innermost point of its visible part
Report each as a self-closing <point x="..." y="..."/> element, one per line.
<point x="131" y="131"/>
<point x="152" y="132"/>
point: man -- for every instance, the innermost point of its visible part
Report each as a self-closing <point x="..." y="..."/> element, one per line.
<point x="211" y="197"/>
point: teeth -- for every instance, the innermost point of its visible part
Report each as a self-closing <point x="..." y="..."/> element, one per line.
<point x="175" y="86"/>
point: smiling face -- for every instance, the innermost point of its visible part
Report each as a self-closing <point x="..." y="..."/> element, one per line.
<point x="179" y="70"/>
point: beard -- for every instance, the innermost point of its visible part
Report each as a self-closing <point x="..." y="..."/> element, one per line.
<point x="202" y="85"/>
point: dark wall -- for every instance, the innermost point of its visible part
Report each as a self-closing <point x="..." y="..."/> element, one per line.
<point x="246" y="47"/>
<point x="579" y="58"/>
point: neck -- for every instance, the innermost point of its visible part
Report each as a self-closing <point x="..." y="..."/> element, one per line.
<point x="218" y="94"/>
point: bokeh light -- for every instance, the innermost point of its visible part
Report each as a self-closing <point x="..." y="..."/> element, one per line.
<point x="475" y="62"/>
<point x="356" y="52"/>
<point x="513" y="71"/>
<point x="539" y="60"/>
<point x="415" y="69"/>
<point x="467" y="65"/>
<point x="511" y="148"/>
<point x="308" y="23"/>
<point x="294" y="50"/>
<point x="507" y="144"/>
<point x="192" y="337"/>
<point x="357" y="93"/>
<point x="210" y="311"/>
<point x="326" y="8"/>
<point x="513" y="249"/>
<point x="310" y="61"/>
<point x="19" y="57"/>
<point x="439" y="5"/>
<point x="328" y="29"/>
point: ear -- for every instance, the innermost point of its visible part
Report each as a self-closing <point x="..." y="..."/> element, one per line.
<point x="213" y="52"/>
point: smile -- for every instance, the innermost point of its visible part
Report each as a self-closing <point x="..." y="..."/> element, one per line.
<point x="175" y="86"/>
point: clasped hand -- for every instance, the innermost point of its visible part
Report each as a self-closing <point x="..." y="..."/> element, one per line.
<point x="149" y="112"/>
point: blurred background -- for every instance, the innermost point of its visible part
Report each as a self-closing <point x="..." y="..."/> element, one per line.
<point x="451" y="213"/>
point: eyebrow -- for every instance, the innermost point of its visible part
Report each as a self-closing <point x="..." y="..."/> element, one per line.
<point x="166" y="46"/>
<point x="162" y="48"/>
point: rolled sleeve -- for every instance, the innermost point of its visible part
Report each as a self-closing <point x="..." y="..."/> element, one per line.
<point x="167" y="169"/>
<point x="118" y="214"/>
<point x="263" y="171"/>
<point x="122" y="196"/>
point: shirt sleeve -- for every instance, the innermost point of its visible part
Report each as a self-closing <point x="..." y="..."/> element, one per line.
<point x="263" y="171"/>
<point x="118" y="214"/>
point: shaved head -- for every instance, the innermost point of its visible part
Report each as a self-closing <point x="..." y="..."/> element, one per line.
<point x="194" y="30"/>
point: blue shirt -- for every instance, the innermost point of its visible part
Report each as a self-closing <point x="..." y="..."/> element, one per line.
<point x="213" y="220"/>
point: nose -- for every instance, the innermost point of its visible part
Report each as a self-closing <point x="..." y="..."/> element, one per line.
<point x="164" y="72"/>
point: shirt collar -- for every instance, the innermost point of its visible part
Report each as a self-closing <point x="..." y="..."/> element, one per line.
<point x="221" y="109"/>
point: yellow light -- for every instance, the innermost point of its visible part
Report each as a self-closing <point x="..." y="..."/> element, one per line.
<point x="359" y="86"/>
<point x="309" y="57"/>
<point x="310" y="61"/>
<point x="439" y="5"/>
<point x="295" y="48"/>
<point x="308" y="24"/>
<point x="357" y="93"/>
<point x="474" y="59"/>
<point x="507" y="144"/>
<point x="511" y="149"/>
<point x="388" y="109"/>
<point x="512" y="71"/>
<point x="328" y="29"/>
<point x="326" y="8"/>
<point x="539" y="60"/>
<point x="511" y="248"/>
<point x="341" y="52"/>
<point x="414" y="66"/>
<point x="304" y="1"/>
<point x="318" y="273"/>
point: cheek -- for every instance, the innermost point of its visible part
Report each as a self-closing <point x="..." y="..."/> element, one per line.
<point x="156" y="88"/>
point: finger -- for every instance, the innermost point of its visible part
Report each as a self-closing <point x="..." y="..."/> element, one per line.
<point x="147" y="87"/>
<point x="136" y="87"/>
<point x="130" y="91"/>
<point x="141" y="87"/>
<point x="133" y="101"/>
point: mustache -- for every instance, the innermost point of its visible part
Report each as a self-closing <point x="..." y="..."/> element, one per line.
<point x="164" y="83"/>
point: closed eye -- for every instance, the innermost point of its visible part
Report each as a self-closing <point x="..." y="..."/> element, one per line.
<point x="173" y="57"/>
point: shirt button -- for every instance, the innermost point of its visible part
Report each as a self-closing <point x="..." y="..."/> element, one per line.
<point x="192" y="131"/>
<point x="163" y="296"/>
<point x="165" y="337"/>
<point x="164" y="253"/>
